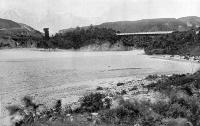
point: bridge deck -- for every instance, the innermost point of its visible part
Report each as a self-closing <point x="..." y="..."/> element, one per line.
<point x="145" y="33"/>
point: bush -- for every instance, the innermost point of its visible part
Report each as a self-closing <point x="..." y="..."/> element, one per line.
<point x="92" y="102"/>
<point x="58" y="106"/>
<point x="120" y="84"/>
<point x="187" y="107"/>
<point x="133" y="88"/>
<point x="128" y="113"/>
<point x="174" y="81"/>
<point x="151" y="114"/>
<point x="123" y="92"/>
<point x="161" y="107"/>
<point x="119" y="115"/>
<point x="176" y="110"/>
<point x="99" y="88"/>
<point x="27" y="100"/>
<point x="14" y="109"/>
<point x="152" y="77"/>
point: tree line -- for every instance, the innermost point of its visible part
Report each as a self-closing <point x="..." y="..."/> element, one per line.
<point x="178" y="42"/>
<point x="79" y="37"/>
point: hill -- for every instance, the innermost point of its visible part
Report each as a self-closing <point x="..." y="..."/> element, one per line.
<point x="191" y="21"/>
<point x="146" y="25"/>
<point x="149" y="25"/>
<point x="12" y="33"/>
<point x="11" y="28"/>
<point x="7" y="24"/>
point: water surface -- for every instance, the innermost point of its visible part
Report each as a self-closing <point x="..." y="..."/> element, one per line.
<point x="25" y="72"/>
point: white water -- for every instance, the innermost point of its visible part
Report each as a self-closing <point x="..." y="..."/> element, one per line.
<point x="32" y="72"/>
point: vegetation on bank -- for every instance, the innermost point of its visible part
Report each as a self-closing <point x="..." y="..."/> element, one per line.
<point x="181" y="108"/>
<point x="177" y="43"/>
<point x="80" y="37"/>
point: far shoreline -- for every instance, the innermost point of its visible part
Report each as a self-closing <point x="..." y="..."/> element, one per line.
<point x="137" y="51"/>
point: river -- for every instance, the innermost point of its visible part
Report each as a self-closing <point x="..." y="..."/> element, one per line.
<point x="41" y="73"/>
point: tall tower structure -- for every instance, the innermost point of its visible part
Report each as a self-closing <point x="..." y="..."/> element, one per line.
<point x="46" y="33"/>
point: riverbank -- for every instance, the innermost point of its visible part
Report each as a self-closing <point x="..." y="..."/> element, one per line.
<point x="194" y="59"/>
<point x="49" y="76"/>
<point x="136" y="51"/>
<point x="156" y="100"/>
<point x="70" y="96"/>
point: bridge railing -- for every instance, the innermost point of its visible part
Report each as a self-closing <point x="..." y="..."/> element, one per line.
<point x="145" y="33"/>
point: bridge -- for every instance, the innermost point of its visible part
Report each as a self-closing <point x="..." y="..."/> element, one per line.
<point x="144" y="33"/>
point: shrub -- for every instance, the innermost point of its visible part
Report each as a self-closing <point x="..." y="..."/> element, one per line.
<point x="92" y="102"/>
<point x="119" y="115"/>
<point x="14" y="109"/>
<point x="152" y="77"/>
<point x="127" y="113"/>
<point x="186" y="107"/>
<point x="161" y="107"/>
<point x="176" y="110"/>
<point x="133" y="88"/>
<point x="120" y="84"/>
<point x="58" y="106"/>
<point x="171" y="82"/>
<point x="148" y="114"/>
<point x="123" y="92"/>
<point x="28" y="101"/>
<point x="99" y="88"/>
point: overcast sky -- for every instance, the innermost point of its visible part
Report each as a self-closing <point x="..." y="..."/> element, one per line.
<point x="60" y="14"/>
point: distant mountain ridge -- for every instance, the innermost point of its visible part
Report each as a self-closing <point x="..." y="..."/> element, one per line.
<point x="150" y="25"/>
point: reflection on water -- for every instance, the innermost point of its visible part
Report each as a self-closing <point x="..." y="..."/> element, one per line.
<point x="25" y="71"/>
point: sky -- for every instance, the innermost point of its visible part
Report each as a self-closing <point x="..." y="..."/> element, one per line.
<point x="62" y="14"/>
